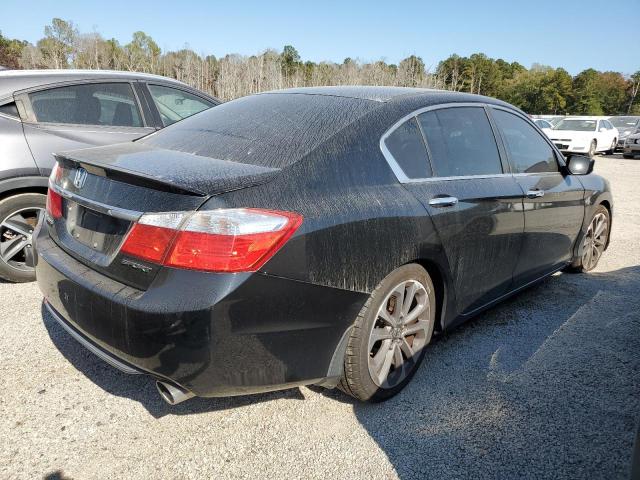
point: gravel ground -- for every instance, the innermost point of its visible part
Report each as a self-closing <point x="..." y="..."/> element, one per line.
<point x="546" y="385"/>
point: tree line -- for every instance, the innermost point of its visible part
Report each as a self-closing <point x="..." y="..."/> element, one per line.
<point x="539" y="89"/>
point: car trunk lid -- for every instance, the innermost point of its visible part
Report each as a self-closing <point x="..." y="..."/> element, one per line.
<point x="105" y="190"/>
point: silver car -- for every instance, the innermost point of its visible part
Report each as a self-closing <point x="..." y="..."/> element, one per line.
<point x="626" y="125"/>
<point x="47" y="111"/>
<point x="631" y="146"/>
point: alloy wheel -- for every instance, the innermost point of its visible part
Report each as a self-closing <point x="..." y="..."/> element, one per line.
<point x="399" y="333"/>
<point x="595" y="241"/>
<point x="16" y="231"/>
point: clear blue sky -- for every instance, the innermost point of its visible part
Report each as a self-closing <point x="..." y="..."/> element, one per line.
<point x="562" y="33"/>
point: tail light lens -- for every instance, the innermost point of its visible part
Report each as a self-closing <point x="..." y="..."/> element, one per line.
<point x="54" y="204"/>
<point x="226" y="240"/>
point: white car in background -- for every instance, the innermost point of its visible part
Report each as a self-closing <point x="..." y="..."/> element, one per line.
<point x="543" y="125"/>
<point x="588" y="135"/>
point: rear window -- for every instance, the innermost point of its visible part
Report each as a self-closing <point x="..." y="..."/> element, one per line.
<point x="270" y="130"/>
<point x="407" y="148"/>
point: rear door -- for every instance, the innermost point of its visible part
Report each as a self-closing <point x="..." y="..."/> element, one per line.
<point x="475" y="205"/>
<point x="553" y="203"/>
<point x="75" y="116"/>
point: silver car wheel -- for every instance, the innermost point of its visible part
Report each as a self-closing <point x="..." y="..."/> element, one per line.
<point x="400" y="332"/>
<point x="16" y="232"/>
<point x="595" y="241"/>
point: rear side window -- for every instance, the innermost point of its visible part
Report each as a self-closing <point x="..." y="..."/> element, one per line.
<point x="528" y="151"/>
<point x="111" y="104"/>
<point x="9" y="109"/>
<point x="408" y="150"/>
<point x="461" y="142"/>
<point x="174" y="104"/>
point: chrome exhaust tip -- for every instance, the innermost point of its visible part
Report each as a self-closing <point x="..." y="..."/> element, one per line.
<point x="171" y="394"/>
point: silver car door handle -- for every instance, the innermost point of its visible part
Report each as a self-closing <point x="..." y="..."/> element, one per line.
<point x="535" y="193"/>
<point x="443" y="201"/>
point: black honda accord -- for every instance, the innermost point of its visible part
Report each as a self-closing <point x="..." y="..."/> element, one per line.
<point x="309" y="236"/>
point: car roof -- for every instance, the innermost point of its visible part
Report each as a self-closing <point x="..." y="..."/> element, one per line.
<point x="391" y="94"/>
<point x="12" y="81"/>
<point x="402" y="98"/>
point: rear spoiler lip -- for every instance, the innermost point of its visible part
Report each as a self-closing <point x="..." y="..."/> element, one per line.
<point x="128" y="176"/>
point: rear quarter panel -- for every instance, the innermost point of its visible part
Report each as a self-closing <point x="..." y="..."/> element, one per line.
<point x="15" y="157"/>
<point x="359" y="223"/>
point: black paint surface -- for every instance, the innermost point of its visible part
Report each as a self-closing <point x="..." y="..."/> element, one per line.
<point x="224" y="334"/>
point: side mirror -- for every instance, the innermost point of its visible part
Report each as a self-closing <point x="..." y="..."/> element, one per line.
<point x="579" y="164"/>
<point x="602" y="129"/>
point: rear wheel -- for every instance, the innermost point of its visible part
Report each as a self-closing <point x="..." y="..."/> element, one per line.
<point x="594" y="242"/>
<point x="592" y="148"/>
<point x="614" y="144"/>
<point x="19" y="215"/>
<point x="626" y="155"/>
<point x="388" y="340"/>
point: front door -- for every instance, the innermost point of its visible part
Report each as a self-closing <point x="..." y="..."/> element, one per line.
<point x="553" y="202"/>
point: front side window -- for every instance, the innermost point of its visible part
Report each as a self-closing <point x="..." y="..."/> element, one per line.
<point x="407" y="148"/>
<point x="111" y="104"/>
<point x="461" y="142"/>
<point x="527" y="150"/>
<point x="174" y="104"/>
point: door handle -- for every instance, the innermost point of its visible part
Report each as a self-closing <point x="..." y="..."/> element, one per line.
<point x="535" y="193"/>
<point x="443" y="201"/>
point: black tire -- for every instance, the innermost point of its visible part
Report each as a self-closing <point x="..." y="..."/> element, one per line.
<point x="16" y="268"/>
<point x="612" y="150"/>
<point x="627" y="156"/>
<point x="357" y="380"/>
<point x="582" y="265"/>
<point x="592" y="148"/>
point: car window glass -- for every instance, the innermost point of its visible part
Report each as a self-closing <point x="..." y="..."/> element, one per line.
<point x="110" y="104"/>
<point x="9" y="109"/>
<point x="528" y="151"/>
<point x="407" y="147"/>
<point x="174" y="104"/>
<point x="461" y="142"/>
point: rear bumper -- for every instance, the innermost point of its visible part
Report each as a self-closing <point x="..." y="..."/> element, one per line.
<point x="85" y="342"/>
<point x="211" y="334"/>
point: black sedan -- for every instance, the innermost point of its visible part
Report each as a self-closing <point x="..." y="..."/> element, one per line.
<point x="309" y="236"/>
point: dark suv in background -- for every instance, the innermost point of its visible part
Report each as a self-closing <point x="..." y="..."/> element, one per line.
<point x="47" y="111"/>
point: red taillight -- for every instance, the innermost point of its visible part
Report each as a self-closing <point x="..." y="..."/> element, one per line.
<point x="54" y="204"/>
<point x="228" y="240"/>
<point x="148" y="242"/>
